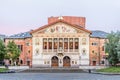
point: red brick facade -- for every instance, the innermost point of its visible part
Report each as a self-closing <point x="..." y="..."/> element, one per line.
<point x="97" y="50"/>
<point x="26" y="50"/>
<point x="70" y="19"/>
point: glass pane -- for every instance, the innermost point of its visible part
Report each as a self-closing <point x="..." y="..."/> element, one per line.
<point x="50" y="45"/>
<point x="50" y="40"/>
<point x="76" y="39"/>
<point x="76" y="45"/>
<point x="45" y="40"/>
<point x="44" y="45"/>
<point x="55" y="40"/>
<point x="55" y="45"/>
<point x="65" y="45"/>
<point x="65" y="39"/>
<point x="71" y="39"/>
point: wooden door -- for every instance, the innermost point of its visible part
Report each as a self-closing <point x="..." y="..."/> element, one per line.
<point x="94" y="63"/>
<point x="66" y="61"/>
<point x="54" y="61"/>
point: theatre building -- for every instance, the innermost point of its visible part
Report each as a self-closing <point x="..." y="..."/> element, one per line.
<point x="63" y="42"/>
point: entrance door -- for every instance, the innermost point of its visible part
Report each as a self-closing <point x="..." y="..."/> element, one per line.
<point x="94" y="63"/>
<point x="28" y="63"/>
<point x="66" y="61"/>
<point x="54" y="61"/>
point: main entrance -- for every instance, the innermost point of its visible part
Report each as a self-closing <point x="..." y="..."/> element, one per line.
<point x="54" y="61"/>
<point x="66" y="61"/>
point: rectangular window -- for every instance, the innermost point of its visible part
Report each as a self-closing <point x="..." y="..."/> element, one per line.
<point x="103" y="48"/>
<point x="45" y="43"/>
<point x="27" y="43"/>
<point x="76" y="43"/>
<point x="71" y="43"/>
<point x="60" y="43"/>
<point x="94" y="43"/>
<point x="66" y="43"/>
<point x="20" y="47"/>
<point x="50" y="43"/>
<point x="55" y="43"/>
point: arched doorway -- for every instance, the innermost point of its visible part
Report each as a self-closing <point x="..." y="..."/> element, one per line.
<point x="21" y="62"/>
<point x="66" y="61"/>
<point x="54" y="61"/>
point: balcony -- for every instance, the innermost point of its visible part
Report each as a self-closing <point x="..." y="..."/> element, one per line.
<point x="60" y="50"/>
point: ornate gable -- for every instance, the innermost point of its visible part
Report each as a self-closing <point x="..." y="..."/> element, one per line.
<point x="60" y="27"/>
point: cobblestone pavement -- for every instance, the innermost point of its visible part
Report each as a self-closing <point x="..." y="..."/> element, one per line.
<point x="57" y="76"/>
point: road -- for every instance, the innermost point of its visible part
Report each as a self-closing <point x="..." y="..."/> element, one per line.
<point x="57" y="76"/>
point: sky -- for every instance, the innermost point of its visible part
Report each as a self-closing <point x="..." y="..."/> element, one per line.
<point x="18" y="16"/>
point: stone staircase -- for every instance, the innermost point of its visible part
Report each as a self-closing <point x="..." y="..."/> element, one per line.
<point x="53" y="70"/>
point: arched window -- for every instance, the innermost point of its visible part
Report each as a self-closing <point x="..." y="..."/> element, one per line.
<point x="21" y="62"/>
<point x="84" y="41"/>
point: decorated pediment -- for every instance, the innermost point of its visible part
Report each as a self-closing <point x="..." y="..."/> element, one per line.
<point x="60" y="27"/>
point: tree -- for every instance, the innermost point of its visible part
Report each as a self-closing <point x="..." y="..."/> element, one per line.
<point x="13" y="52"/>
<point x="112" y="47"/>
<point x="118" y="47"/>
<point x="2" y="50"/>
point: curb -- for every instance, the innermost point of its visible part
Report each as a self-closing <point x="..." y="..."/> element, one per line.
<point x="105" y="73"/>
<point x="9" y="71"/>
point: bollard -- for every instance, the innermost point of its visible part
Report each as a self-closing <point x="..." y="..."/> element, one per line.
<point x="89" y="71"/>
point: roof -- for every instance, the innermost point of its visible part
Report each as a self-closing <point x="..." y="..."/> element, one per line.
<point x="2" y="36"/>
<point x="99" y="34"/>
<point x="96" y="34"/>
<point x="45" y="26"/>
<point x="20" y="35"/>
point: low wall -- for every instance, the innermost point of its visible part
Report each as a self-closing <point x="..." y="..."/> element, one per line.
<point x="92" y="67"/>
<point x="16" y="67"/>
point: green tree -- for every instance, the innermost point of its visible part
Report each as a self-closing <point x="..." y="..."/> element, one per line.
<point x="13" y="52"/>
<point x="118" y="47"/>
<point x="112" y="47"/>
<point x="2" y="50"/>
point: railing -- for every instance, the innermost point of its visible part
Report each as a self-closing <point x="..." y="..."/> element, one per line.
<point x="60" y="50"/>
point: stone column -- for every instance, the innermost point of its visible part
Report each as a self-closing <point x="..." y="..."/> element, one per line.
<point x="68" y="44"/>
<point x="60" y="62"/>
<point x="47" y="44"/>
<point x="73" y="44"/>
<point x="52" y="44"/>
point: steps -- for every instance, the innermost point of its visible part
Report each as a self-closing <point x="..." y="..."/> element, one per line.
<point x="53" y="70"/>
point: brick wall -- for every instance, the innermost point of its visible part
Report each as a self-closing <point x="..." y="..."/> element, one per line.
<point x="96" y="51"/>
<point x="26" y="53"/>
<point x="70" y="19"/>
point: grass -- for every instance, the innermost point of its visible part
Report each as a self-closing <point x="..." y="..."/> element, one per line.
<point x="3" y="69"/>
<point x="110" y="70"/>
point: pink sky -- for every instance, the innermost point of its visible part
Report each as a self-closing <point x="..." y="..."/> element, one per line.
<point x="18" y="16"/>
